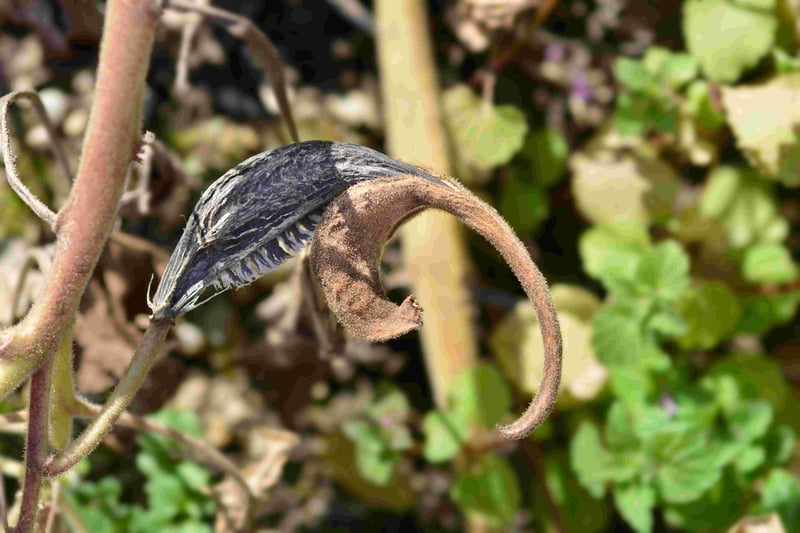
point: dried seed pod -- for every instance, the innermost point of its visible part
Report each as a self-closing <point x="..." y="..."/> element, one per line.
<point x="260" y="213"/>
<point x="346" y="251"/>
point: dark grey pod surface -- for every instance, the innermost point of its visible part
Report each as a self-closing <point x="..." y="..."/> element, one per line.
<point x="260" y="213"/>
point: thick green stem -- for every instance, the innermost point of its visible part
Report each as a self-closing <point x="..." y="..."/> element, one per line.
<point x="433" y="243"/>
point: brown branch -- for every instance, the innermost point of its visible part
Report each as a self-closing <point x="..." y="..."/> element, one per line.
<point x="346" y="252"/>
<point x="260" y="46"/>
<point x="36" y="447"/>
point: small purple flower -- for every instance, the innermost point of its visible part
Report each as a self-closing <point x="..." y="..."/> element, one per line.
<point x="555" y="52"/>
<point x="669" y="405"/>
<point x="580" y="86"/>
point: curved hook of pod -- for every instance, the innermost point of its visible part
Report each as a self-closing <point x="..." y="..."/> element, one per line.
<point x="346" y="252"/>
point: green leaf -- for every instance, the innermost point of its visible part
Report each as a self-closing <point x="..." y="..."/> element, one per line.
<point x="750" y="459"/>
<point x="489" y="489"/>
<point x="785" y="63"/>
<point x="768" y="263"/>
<point x="612" y="184"/>
<point x="664" y="271"/>
<point x="166" y="495"/>
<point x="699" y="105"/>
<point x="547" y="150"/>
<point x="442" y="439"/>
<point x="765" y="120"/>
<point x="760" y="378"/>
<point x="195" y="476"/>
<point x="678" y="70"/>
<point x="713" y="512"/>
<point x="620" y="433"/>
<point x="751" y="420"/>
<point x="578" y="509"/>
<point x="745" y="205"/>
<point x="780" y="487"/>
<point x="632" y="385"/>
<point x="481" y="396"/>
<point x="376" y="465"/>
<point x="363" y="434"/>
<point x="781" y="492"/>
<point x="523" y="204"/>
<point x="667" y="323"/>
<point x="613" y="251"/>
<point x="762" y="312"/>
<point x="780" y="443"/>
<point x="635" y="503"/>
<point x="179" y="420"/>
<point x="618" y="337"/>
<point x="632" y="114"/>
<point x="595" y="466"/>
<point x="728" y="38"/>
<point x="485" y="135"/>
<point x="391" y="406"/>
<point x="693" y="467"/>
<point x="631" y="74"/>
<point x="711" y="311"/>
<point x="375" y="460"/>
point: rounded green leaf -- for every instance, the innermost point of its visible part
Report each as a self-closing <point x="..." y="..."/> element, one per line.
<point x="489" y="490"/>
<point x="745" y="205"/>
<point x="664" y="271"/>
<point x="768" y="263"/>
<point x="710" y="311"/>
<point x="442" y="438"/>
<point x="481" y="396"/>
<point x="765" y="119"/>
<point x="635" y="503"/>
<point x="485" y="135"/>
<point x="728" y="38"/>
<point x="610" y="251"/>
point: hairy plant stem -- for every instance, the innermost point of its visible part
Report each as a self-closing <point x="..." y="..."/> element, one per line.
<point x="123" y="393"/>
<point x="36" y="446"/>
<point x="86" y="220"/>
<point x="433" y="243"/>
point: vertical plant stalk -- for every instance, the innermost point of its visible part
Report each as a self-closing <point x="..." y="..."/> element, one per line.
<point x="85" y="222"/>
<point x="433" y="243"/>
<point x="37" y="446"/>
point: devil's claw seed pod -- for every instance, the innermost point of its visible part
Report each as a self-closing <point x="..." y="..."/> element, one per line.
<point x="259" y="214"/>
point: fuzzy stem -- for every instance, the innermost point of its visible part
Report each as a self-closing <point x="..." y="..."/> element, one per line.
<point x="123" y="394"/>
<point x="86" y="220"/>
<point x="36" y="448"/>
<point x="433" y="243"/>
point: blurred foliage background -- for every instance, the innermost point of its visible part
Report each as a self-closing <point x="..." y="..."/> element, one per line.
<point x="646" y="152"/>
